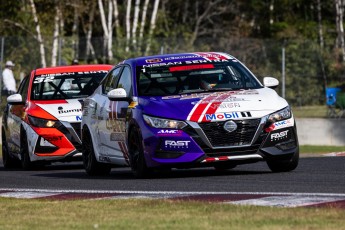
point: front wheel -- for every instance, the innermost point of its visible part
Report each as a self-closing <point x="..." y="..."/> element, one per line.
<point x="91" y="165"/>
<point x="284" y="166"/>
<point x="8" y="161"/>
<point x="136" y="155"/>
<point x="27" y="164"/>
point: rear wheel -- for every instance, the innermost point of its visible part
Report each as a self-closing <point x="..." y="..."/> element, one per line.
<point x="136" y="155"/>
<point x="91" y="165"/>
<point x="8" y="160"/>
<point x="284" y="166"/>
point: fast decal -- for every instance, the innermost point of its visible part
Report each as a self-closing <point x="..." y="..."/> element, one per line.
<point x="169" y="132"/>
<point x="279" y="136"/>
<point x="176" y="144"/>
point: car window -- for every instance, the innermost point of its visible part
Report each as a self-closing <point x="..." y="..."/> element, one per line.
<point x="112" y="79"/>
<point x="23" y="88"/>
<point x="190" y="78"/>
<point x="66" y="85"/>
<point x="125" y="81"/>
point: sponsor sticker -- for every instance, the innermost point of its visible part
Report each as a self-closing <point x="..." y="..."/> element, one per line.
<point x="283" y="124"/>
<point x="176" y="144"/>
<point x="169" y="132"/>
<point x="279" y="136"/>
<point x="226" y="116"/>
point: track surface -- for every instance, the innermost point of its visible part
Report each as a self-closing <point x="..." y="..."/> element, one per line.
<point x="317" y="181"/>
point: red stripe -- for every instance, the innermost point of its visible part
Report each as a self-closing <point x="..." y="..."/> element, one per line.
<point x="214" y="106"/>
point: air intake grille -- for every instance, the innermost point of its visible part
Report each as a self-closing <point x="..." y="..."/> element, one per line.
<point x="219" y="137"/>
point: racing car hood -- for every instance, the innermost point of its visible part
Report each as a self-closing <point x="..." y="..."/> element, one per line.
<point x="215" y="106"/>
<point x="64" y="110"/>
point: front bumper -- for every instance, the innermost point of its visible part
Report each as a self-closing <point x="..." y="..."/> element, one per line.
<point x="54" y="144"/>
<point x="206" y="145"/>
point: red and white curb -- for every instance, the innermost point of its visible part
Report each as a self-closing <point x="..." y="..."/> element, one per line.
<point x="335" y="154"/>
<point x="238" y="198"/>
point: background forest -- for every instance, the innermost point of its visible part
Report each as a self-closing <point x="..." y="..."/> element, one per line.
<point x="40" y="33"/>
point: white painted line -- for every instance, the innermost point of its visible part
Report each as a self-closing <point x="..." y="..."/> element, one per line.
<point x="28" y="194"/>
<point x="287" y="201"/>
<point x="169" y="192"/>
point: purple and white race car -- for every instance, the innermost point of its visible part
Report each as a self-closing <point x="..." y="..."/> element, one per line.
<point x="186" y="110"/>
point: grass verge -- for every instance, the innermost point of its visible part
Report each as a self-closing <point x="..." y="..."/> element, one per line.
<point x="159" y="214"/>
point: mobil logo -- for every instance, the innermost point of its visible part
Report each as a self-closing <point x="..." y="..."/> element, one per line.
<point x="221" y="116"/>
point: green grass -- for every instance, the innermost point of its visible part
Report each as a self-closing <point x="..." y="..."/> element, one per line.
<point x="160" y="214"/>
<point x="315" y="111"/>
<point x="320" y="149"/>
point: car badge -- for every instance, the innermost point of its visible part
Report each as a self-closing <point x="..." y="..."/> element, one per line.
<point x="230" y="126"/>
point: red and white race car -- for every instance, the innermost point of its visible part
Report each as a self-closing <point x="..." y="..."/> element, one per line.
<point x="41" y="122"/>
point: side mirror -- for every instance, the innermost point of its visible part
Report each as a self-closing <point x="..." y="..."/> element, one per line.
<point x="15" y="99"/>
<point x="118" y="94"/>
<point x="270" y="82"/>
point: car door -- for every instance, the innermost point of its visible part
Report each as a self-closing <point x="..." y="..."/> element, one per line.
<point x="15" y="116"/>
<point x="116" y="111"/>
<point x="101" y="108"/>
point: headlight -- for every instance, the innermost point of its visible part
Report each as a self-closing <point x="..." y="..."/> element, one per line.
<point x="280" y="115"/>
<point x="164" y="123"/>
<point x="43" y="123"/>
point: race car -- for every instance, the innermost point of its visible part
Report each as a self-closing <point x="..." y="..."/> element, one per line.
<point x="41" y="122"/>
<point x="186" y="110"/>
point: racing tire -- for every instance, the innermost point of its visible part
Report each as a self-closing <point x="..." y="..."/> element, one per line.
<point x="27" y="164"/>
<point x="8" y="160"/>
<point x="91" y="165"/>
<point x="284" y="166"/>
<point x="136" y="155"/>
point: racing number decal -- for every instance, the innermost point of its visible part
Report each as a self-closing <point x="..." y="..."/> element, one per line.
<point x="43" y="79"/>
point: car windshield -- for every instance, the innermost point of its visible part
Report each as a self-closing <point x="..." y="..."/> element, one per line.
<point x="155" y="80"/>
<point x="66" y="85"/>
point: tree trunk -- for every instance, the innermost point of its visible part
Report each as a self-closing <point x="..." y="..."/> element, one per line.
<point x="56" y="35"/>
<point x="339" y="8"/>
<point x="39" y="35"/>
<point x="104" y="26"/>
<point x="116" y="19"/>
<point x="128" y="24"/>
<point x="75" y="37"/>
<point x="110" y="32"/>
<point x="319" y="19"/>
<point x="143" y="22"/>
<point x="152" y="25"/>
<point x="135" y="22"/>
<point x="89" y="48"/>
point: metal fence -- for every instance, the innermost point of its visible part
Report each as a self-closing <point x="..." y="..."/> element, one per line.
<point x="304" y="66"/>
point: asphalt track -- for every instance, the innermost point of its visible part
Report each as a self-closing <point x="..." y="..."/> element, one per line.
<point x="317" y="181"/>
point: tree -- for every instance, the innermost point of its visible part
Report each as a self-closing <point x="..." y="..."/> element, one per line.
<point x="39" y="35"/>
